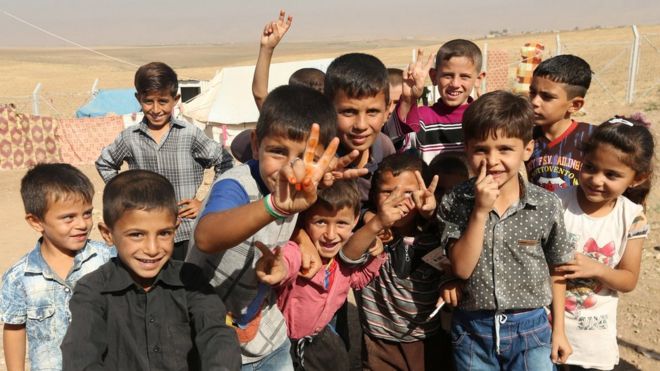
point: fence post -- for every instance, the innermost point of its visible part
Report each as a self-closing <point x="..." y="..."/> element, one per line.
<point x="94" y="87"/>
<point x="558" y="43"/>
<point x="484" y="67"/>
<point x="35" y="99"/>
<point x="634" y="64"/>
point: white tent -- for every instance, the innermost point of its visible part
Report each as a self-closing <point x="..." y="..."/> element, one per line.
<point x="227" y="107"/>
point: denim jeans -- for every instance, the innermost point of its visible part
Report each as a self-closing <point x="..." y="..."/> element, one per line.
<point x="524" y="341"/>
<point x="278" y="360"/>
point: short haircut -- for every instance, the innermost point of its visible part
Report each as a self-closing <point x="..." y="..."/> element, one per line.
<point x="459" y="48"/>
<point x="156" y="77"/>
<point x="500" y="110"/>
<point x="358" y="75"/>
<point x="567" y="69"/>
<point x="137" y="190"/>
<point x="342" y="194"/>
<point x="309" y="77"/>
<point x="47" y="183"/>
<point x="396" y="164"/>
<point x="395" y="75"/>
<point x="290" y="111"/>
<point x="453" y="163"/>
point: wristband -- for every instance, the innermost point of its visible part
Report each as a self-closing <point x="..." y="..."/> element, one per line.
<point x="273" y="210"/>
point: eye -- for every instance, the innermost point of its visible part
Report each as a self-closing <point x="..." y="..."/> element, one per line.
<point x="136" y="235"/>
<point x="166" y="233"/>
<point x="587" y="167"/>
<point x="320" y="222"/>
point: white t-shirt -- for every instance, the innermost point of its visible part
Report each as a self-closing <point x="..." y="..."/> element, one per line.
<point x="590" y="313"/>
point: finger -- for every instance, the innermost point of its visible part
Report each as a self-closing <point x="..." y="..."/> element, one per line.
<point x="396" y="196"/>
<point x="420" y="180"/>
<point x="288" y="174"/>
<point x="554" y="353"/>
<point x="346" y="160"/>
<point x="482" y="171"/>
<point x="310" y="148"/>
<point x="282" y="15"/>
<point x="265" y="251"/>
<point x="453" y="298"/>
<point x="417" y="198"/>
<point x="434" y="184"/>
<point x="350" y="173"/>
<point x="184" y="202"/>
<point x="324" y="162"/>
<point x="429" y="62"/>
<point x="298" y="169"/>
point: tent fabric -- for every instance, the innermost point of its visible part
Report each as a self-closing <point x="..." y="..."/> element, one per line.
<point x="229" y="100"/>
<point x="110" y="101"/>
<point x="81" y="140"/>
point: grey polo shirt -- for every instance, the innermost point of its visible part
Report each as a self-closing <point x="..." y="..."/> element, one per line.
<point x="519" y="248"/>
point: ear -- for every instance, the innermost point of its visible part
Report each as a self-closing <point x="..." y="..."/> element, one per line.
<point x="106" y="233"/>
<point x="432" y="74"/>
<point x="177" y="97"/>
<point x="639" y="179"/>
<point x="481" y="76"/>
<point x="527" y="151"/>
<point x="254" y="144"/>
<point x="34" y="222"/>
<point x="576" y="104"/>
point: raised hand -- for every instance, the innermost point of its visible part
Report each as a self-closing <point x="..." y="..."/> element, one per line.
<point x="424" y="198"/>
<point x="271" y="268"/>
<point x="487" y="190"/>
<point x="394" y="208"/>
<point x="274" y="31"/>
<point x="338" y="170"/>
<point x="414" y="77"/>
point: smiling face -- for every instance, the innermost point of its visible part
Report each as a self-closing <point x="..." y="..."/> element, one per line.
<point x="407" y="182"/>
<point x="551" y="102"/>
<point x="329" y="230"/>
<point x="455" y="79"/>
<point x="157" y="107"/>
<point x="503" y="155"/>
<point x="359" y="120"/>
<point x="144" y="240"/>
<point x="65" y="225"/>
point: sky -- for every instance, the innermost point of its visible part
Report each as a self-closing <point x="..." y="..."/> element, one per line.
<point x="149" y="22"/>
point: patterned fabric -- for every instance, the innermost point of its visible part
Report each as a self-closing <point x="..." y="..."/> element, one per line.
<point x="519" y="248"/>
<point x="181" y="157"/>
<point x="531" y="54"/>
<point x="497" y="76"/>
<point x="81" y="140"/>
<point x="35" y="296"/>
<point x="26" y="140"/>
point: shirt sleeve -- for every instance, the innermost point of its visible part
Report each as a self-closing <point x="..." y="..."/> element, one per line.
<point x="13" y="307"/>
<point x="639" y="228"/>
<point x="363" y="275"/>
<point x="111" y="158"/>
<point x="558" y="245"/>
<point x="225" y="194"/>
<point x="85" y="341"/>
<point x="210" y="153"/>
<point x="216" y="342"/>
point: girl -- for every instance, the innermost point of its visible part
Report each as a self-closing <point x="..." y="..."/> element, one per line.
<point x="395" y="308"/>
<point x="606" y="215"/>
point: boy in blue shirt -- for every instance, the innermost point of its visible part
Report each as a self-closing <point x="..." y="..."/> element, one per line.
<point x="36" y="289"/>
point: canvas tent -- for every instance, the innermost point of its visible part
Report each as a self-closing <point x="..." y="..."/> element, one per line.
<point x="227" y="107"/>
<point x="110" y="101"/>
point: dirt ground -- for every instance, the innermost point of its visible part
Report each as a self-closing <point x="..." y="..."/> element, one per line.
<point x="67" y="74"/>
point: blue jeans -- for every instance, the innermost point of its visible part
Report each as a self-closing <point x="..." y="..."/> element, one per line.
<point x="516" y="341"/>
<point x="278" y="360"/>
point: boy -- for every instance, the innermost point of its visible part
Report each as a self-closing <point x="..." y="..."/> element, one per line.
<point x="36" y="289"/>
<point x="558" y="87"/>
<point x="161" y="143"/>
<point x="259" y="201"/>
<point x="457" y="72"/>
<point x="504" y="237"/>
<point x="309" y="305"/>
<point x="143" y="311"/>
<point x="392" y="127"/>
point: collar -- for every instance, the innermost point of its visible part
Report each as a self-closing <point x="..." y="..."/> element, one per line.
<point x="441" y="108"/>
<point x="120" y="279"/>
<point x="143" y="127"/>
<point x="254" y="171"/>
<point x="37" y="264"/>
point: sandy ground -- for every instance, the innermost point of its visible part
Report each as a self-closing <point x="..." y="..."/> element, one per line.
<point x="68" y="74"/>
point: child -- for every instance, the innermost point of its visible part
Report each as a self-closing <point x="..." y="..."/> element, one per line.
<point x="309" y="305"/>
<point x="259" y="201"/>
<point x="606" y="215"/>
<point x="451" y="169"/>
<point x="392" y="128"/>
<point x="36" y="289"/>
<point x="142" y="311"/>
<point x="161" y="143"/>
<point x="558" y="87"/>
<point x="504" y="236"/>
<point x="395" y="308"/>
<point x="457" y="72"/>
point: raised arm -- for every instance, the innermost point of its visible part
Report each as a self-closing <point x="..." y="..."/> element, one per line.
<point x="414" y="78"/>
<point x="273" y="32"/>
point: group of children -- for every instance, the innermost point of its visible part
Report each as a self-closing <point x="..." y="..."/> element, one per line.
<point x="325" y="205"/>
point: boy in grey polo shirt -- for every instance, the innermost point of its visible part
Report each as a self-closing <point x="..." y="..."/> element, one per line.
<point x="504" y="237"/>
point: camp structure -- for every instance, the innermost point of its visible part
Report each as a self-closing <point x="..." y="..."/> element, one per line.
<point x="227" y="106"/>
<point x="106" y="102"/>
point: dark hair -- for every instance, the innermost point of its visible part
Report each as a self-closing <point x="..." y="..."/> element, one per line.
<point x="290" y="111"/>
<point x="342" y="193"/>
<point x="137" y="190"/>
<point x="632" y="137"/>
<point x="358" y="75"/>
<point x="459" y="48"/>
<point x="448" y="163"/>
<point x="46" y="183"/>
<point x="567" y="69"/>
<point x="396" y="164"/>
<point x="156" y="77"/>
<point x="499" y="110"/>
<point x="395" y="76"/>
<point x="309" y="77"/>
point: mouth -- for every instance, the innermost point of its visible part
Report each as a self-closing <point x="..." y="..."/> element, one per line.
<point x="80" y="237"/>
<point x="149" y="263"/>
<point x="358" y="139"/>
<point x="453" y="94"/>
<point x="329" y="246"/>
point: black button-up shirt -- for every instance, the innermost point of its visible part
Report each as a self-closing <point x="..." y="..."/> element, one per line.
<point x="179" y="324"/>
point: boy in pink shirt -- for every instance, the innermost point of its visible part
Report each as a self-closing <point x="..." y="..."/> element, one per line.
<point x="308" y="305"/>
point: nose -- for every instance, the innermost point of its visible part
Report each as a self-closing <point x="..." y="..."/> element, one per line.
<point x="360" y="123"/>
<point x="150" y="247"/>
<point x="330" y="232"/>
<point x="534" y="99"/>
<point x="492" y="159"/>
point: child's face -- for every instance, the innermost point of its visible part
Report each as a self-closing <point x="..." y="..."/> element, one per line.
<point x="329" y="230"/>
<point x="503" y="157"/>
<point x="395" y="95"/>
<point x="157" y="107"/>
<point x="144" y="240"/>
<point x="455" y="80"/>
<point x="550" y="101"/>
<point x="274" y="152"/>
<point x="65" y="225"/>
<point x="604" y="177"/>
<point x="407" y="182"/>
<point x="359" y="120"/>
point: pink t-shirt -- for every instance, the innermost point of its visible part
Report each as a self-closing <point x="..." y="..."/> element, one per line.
<point x="306" y="304"/>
